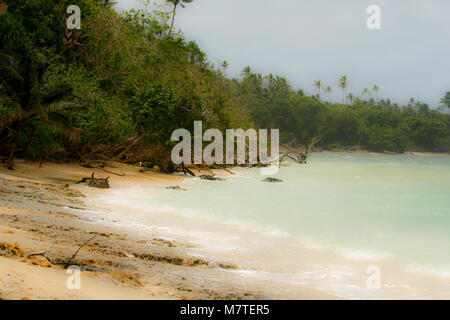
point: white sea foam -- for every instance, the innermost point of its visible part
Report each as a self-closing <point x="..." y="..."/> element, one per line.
<point x="334" y="210"/>
<point x="441" y="272"/>
<point x="362" y="255"/>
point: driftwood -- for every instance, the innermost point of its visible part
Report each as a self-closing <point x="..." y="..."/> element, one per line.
<point x="63" y="262"/>
<point x="298" y="155"/>
<point x="78" y="250"/>
<point x="43" y="254"/>
<point x="101" y="167"/>
<point x="102" y="183"/>
<point x="176" y="188"/>
<point x="131" y="143"/>
<point x="186" y="170"/>
<point x="210" y="178"/>
<point x="270" y="179"/>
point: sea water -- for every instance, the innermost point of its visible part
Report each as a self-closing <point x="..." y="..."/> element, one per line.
<point x="324" y="226"/>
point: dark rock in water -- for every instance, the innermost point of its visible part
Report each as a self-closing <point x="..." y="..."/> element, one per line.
<point x="272" y="180"/>
<point x="99" y="183"/>
<point x="176" y="188"/>
<point x="210" y="178"/>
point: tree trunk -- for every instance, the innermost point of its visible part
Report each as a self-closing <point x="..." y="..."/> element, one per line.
<point x="173" y="18"/>
<point x="128" y="148"/>
<point x="10" y="161"/>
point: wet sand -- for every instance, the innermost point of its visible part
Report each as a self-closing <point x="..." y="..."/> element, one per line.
<point x="41" y="211"/>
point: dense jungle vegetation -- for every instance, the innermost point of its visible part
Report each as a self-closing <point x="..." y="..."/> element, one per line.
<point x="117" y="88"/>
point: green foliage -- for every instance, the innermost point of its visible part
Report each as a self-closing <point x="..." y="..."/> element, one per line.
<point x="41" y="140"/>
<point x="137" y="77"/>
<point x="377" y="126"/>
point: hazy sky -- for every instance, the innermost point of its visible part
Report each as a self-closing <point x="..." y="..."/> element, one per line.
<point x="324" y="39"/>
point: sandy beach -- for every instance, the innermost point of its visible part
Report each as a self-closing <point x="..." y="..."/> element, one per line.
<point x="41" y="212"/>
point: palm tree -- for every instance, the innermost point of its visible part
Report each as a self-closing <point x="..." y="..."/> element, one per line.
<point x="365" y="92"/>
<point x="328" y="90"/>
<point x="375" y="89"/>
<point x="22" y="86"/>
<point x="224" y="66"/>
<point x="247" y="70"/>
<point x="445" y="101"/>
<point x="319" y="85"/>
<point x="343" y="84"/>
<point x="175" y="4"/>
<point x="350" y="97"/>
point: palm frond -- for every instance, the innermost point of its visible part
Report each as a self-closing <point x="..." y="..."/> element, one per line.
<point x="60" y="122"/>
<point x="56" y="93"/>
<point x="8" y="64"/>
<point x="11" y="72"/>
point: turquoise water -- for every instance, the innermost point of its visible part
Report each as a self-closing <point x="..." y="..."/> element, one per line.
<point x="370" y="205"/>
<point x="322" y="227"/>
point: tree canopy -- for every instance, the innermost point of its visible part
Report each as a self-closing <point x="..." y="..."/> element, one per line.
<point x="130" y="80"/>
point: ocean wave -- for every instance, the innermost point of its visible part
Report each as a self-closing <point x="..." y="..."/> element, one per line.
<point x="437" y="271"/>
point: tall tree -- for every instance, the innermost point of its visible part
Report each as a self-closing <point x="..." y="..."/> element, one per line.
<point x="445" y="101"/>
<point x="328" y="90"/>
<point x="375" y="89"/>
<point x="319" y="85"/>
<point x="247" y="70"/>
<point x="23" y="86"/>
<point x="366" y="93"/>
<point x="175" y="4"/>
<point x="224" y="66"/>
<point x="343" y="84"/>
<point x="350" y="97"/>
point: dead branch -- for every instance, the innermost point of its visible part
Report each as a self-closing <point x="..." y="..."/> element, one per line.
<point x="44" y="254"/>
<point x="78" y="250"/>
<point x="222" y="168"/>
<point x="186" y="170"/>
<point x="93" y="166"/>
<point x="314" y="141"/>
<point x="128" y="148"/>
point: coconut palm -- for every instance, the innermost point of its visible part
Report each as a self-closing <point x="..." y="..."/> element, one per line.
<point x="350" y="97"/>
<point x="224" y="66"/>
<point x="247" y="70"/>
<point x="23" y="87"/>
<point x="175" y="4"/>
<point x="375" y="89"/>
<point x="365" y="93"/>
<point x="343" y="84"/>
<point x="328" y="90"/>
<point x="445" y="101"/>
<point x="319" y="85"/>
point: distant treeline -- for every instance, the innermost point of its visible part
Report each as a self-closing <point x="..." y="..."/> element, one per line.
<point x="370" y="124"/>
<point x="119" y="86"/>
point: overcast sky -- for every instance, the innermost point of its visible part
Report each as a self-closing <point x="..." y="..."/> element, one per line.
<point x="325" y="39"/>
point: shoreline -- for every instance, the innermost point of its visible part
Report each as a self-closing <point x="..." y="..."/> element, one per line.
<point x="42" y="209"/>
<point x="150" y="251"/>
<point x="362" y="151"/>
